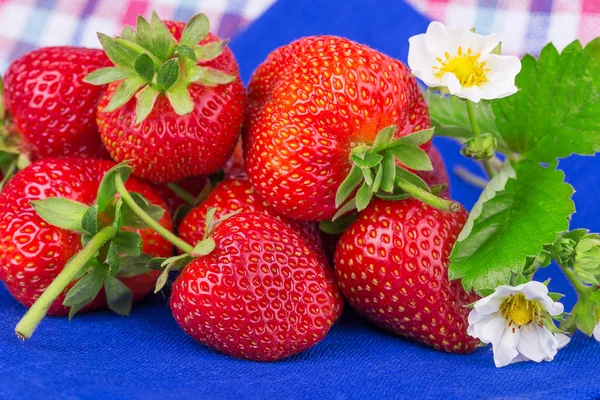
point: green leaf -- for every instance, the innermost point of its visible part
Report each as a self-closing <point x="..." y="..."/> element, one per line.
<point x="411" y="156"/>
<point x="118" y="296"/>
<point x="145" y="103"/>
<point x="185" y="51"/>
<point x="389" y="172"/>
<point x="144" y="67"/>
<point x="384" y="138"/>
<point x="128" y="33"/>
<point x="210" y="51"/>
<point x="84" y="291"/>
<point x="171" y="264"/>
<point x="557" y="110"/>
<point x="89" y="221"/>
<point x="131" y="219"/>
<point x="339" y="226"/>
<point x="64" y="213"/>
<point x="363" y="197"/>
<point x="113" y="259"/>
<point x="367" y="176"/>
<point x="167" y="75"/>
<point x="106" y="75"/>
<point x="133" y="266"/>
<point x="378" y="179"/>
<point x="144" y="32"/>
<point x="204" y="247"/>
<point x="196" y="29"/>
<point x="346" y="208"/>
<point x="126" y="90"/>
<point x="107" y="188"/>
<point x="510" y="223"/>
<point x="369" y="160"/>
<point x="163" y="42"/>
<point x="348" y="185"/>
<point x="210" y="77"/>
<point x="179" y="98"/>
<point x="120" y="55"/>
<point x="129" y="243"/>
<point x="416" y="138"/>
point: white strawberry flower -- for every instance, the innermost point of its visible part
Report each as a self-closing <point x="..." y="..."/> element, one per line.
<point x="463" y="63"/>
<point x="517" y="321"/>
<point x="597" y="332"/>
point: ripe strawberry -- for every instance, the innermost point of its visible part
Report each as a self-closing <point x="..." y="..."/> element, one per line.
<point x="237" y="194"/>
<point x="314" y="104"/>
<point x="33" y="252"/>
<point x="234" y="167"/>
<point x="439" y="174"/>
<point x="261" y="294"/>
<point x="187" y="115"/>
<point x="50" y="106"/>
<point x="392" y="266"/>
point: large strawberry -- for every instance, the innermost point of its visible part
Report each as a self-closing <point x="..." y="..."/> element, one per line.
<point x="392" y="266"/>
<point x="50" y="106"/>
<point x="33" y="252"/>
<point x="260" y="294"/>
<point x="316" y="107"/>
<point x="235" y="195"/>
<point x="176" y="103"/>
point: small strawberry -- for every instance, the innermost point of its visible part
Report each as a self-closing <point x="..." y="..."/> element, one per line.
<point x="326" y="115"/>
<point x="392" y="266"/>
<point x="50" y="106"/>
<point x="260" y="294"/>
<point x="33" y="252"/>
<point x="233" y="195"/>
<point x="189" y="101"/>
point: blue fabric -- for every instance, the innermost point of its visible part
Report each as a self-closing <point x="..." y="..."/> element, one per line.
<point x="147" y="356"/>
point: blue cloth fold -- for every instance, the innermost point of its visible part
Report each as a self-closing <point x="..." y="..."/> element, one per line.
<point x="103" y="356"/>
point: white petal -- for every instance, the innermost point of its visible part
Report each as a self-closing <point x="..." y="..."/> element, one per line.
<point x="489" y="304"/>
<point x="493" y="330"/>
<point x="421" y="62"/>
<point x="538" y="291"/>
<point x="441" y="39"/>
<point x="562" y="339"/>
<point x="482" y="44"/>
<point x="502" y="69"/>
<point x="505" y="351"/>
<point x="597" y="332"/>
<point x="491" y="91"/>
<point x="534" y="344"/>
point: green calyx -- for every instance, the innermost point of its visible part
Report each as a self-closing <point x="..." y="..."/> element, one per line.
<point x="149" y="61"/>
<point x="375" y="172"/>
<point x="482" y="147"/>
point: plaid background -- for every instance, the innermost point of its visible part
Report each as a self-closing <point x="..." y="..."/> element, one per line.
<point x="524" y="25"/>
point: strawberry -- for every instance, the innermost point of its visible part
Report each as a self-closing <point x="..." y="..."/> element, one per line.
<point x="233" y="195"/>
<point x="316" y="107"/>
<point x="33" y="252"/>
<point x="234" y="167"/>
<point x="439" y="174"/>
<point x="260" y="294"/>
<point x="189" y="101"/>
<point x="392" y="266"/>
<point x="192" y="186"/>
<point x="52" y="109"/>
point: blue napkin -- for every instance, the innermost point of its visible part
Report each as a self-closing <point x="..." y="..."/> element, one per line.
<point x="102" y="356"/>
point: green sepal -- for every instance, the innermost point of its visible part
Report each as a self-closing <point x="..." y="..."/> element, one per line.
<point x="107" y="188"/>
<point x="416" y="138"/>
<point x="416" y="180"/>
<point x="204" y="247"/>
<point x="392" y="196"/>
<point x="368" y="160"/>
<point x="131" y="219"/>
<point x="89" y="221"/>
<point x="84" y="291"/>
<point x="113" y="259"/>
<point x="338" y="226"/>
<point x="118" y="296"/>
<point x="163" y="42"/>
<point x="171" y="264"/>
<point x="186" y="51"/>
<point x="180" y="99"/>
<point x="363" y="196"/>
<point x="61" y="212"/>
<point x="106" y="75"/>
<point x="195" y="30"/>
<point x="128" y="33"/>
<point x="367" y="176"/>
<point x="389" y="172"/>
<point x="346" y="208"/>
<point x="348" y="185"/>
<point x="125" y="91"/>
<point x="384" y="138"/>
<point x="128" y="242"/>
<point x="144" y="67"/>
<point x="167" y="75"/>
<point x="144" y="32"/>
<point x="210" y="51"/>
<point x="584" y="313"/>
<point x="210" y="77"/>
<point x="378" y="179"/>
<point x="555" y="296"/>
<point x="120" y="55"/>
<point x="134" y="266"/>
<point x="411" y="156"/>
<point x="145" y="103"/>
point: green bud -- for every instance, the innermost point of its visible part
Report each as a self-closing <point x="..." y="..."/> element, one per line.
<point x="482" y="147"/>
<point x="586" y="260"/>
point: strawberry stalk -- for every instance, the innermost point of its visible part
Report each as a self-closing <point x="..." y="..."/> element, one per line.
<point x="427" y="197"/>
<point x="151" y="222"/>
<point x="182" y="194"/>
<point x="38" y="310"/>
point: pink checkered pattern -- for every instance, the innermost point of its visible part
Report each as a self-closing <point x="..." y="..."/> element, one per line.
<point x="28" y="24"/>
<point x="525" y="26"/>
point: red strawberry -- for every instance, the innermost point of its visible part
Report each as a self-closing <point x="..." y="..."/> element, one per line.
<point x="312" y="105"/>
<point x="32" y="252"/>
<point x="236" y="194"/>
<point x="234" y="167"/>
<point x="392" y="266"/>
<point x="51" y="108"/>
<point x="439" y="174"/>
<point x="187" y="126"/>
<point x="192" y="185"/>
<point x="261" y="294"/>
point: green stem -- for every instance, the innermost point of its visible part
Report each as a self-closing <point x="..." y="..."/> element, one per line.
<point x="38" y="310"/>
<point x="182" y="194"/>
<point x="161" y="230"/>
<point x="476" y="132"/>
<point x="427" y="197"/>
<point x="580" y="288"/>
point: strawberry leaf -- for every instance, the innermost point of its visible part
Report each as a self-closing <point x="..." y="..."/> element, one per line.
<point x="113" y="259"/>
<point x="186" y="51"/>
<point x="411" y="156"/>
<point x="179" y="98"/>
<point x="167" y="75"/>
<point x="118" y="296"/>
<point x="210" y="77"/>
<point x="131" y="219"/>
<point x="348" y="185"/>
<point x="414" y="139"/>
<point x="196" y="29"/>
<point x="128" y="33"/>
<point x="363" y="196"/>
<point x="118" y="54"/>
<point x="64" y="213"/>
<point x="505" y="227"/>
<point x="388" y="165"/>
<point x="144" y="32"/>
<point x="171" y="264"/>
<point x="210" y="51"/>
<point x="89" y="221"/>
<point x="126" y="90"/>
<point x="338" y="226"/>
<point x="204" y="247"/>
<point x="145" y="103"/>
<point x="368" y="160"/>
<point x="129" y="243"/>
<point x="84" y="291"/>
<point x="384" y="138"/>
<point x="107" y="188"/>
<point x="556" y="112"/>
<point x="163" y="43"/>
<point x="134" y="266"/>
<point x="106" y="75"/>
<point x="144" y="67"/>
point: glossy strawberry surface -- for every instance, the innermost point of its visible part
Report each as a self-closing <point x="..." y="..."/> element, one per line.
<point x="261" y="294"/>
<point x="310" y="103"/>
<point x="392" y="266"/>
<point x="52" y="109"/>
<point x="167" y="147"/>
<point x="32" y="252"/>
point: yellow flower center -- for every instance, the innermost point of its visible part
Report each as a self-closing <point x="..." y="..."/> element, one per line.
<point x="519" y="311"/>
<point x="465" y="66"/>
